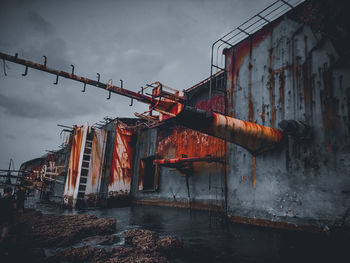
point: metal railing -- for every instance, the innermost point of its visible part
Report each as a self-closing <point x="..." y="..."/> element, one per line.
<point x="246" y="29"/>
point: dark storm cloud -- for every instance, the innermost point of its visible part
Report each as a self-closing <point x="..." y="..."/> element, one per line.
<point x="33" y="107"/>
<point x="137" y="41"/>
<point x="30" y="35"/>
<point x="38" y="23"/>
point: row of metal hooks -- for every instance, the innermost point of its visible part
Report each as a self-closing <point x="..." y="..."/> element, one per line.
<point x="108" y="85"/>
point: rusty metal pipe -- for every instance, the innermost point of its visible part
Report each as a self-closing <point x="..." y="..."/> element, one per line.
<point x="251" y="136"/>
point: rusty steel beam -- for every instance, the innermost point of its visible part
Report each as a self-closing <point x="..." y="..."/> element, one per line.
<point x="251" y="136"/>
<point x="186" y="160"/>
<point x="115" y="89"/>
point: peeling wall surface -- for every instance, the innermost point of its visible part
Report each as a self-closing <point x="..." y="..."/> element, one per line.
<point x="74" y="166"/>
<point x="292" y="70"/>
<point x="122" y="161"/>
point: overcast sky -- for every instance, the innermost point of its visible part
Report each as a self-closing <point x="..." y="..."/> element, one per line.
<point x="137" y="41"/>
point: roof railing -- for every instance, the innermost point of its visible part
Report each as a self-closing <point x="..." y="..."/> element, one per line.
<point x="243" y="31"/>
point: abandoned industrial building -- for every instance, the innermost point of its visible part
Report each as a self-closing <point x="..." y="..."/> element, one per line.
<point x="264" y="139"/>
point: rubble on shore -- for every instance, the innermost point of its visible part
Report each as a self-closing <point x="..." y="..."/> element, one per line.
<point x="140" y="246"/>
<point x="33" y="231"/>
<point x="38" y="230"/>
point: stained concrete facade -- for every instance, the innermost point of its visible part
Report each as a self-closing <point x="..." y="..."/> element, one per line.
<point x="288" y="70"/>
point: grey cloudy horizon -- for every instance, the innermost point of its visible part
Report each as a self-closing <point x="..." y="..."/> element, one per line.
<point x="137" y="41"/>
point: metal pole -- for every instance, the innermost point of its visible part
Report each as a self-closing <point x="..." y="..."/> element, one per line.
<point x="110" y="88"/>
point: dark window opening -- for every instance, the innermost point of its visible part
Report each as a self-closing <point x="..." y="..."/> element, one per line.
<point x="148" y="177"/>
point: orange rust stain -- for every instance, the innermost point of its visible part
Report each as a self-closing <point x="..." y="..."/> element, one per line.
<point x="188" y="142"/>
<point x="251" y="136"/>
<point x="254" y="172"/>
<point x="282" y="81"/>
<point x="260" y="35"/>
<point x="142" y="174"/>
<point x="229" y="80"/>
<point x="271" y="84"/>
<point x="96" y="156"/>
<point x="235" y="57"/>
<point x="241" y="52"/>
<point x="216" y="103"/>
<point x="262" y="114"/>
<point x="250" y="98"/>
<point x="123" y="154"/>
<point x="75" y="157"/>
<point x="330" y="109"/>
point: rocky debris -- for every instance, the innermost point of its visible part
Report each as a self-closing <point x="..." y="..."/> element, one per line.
<point x="102" y="240"/>
<point x="142" y="239"/>
<point x="132" y="255"/>
<point x="140" y="246"/>
<point x="169" y="245"/>
<point x="149" y="241"/>
<point x="37" y="230"/>
<point x="33" y="231"/>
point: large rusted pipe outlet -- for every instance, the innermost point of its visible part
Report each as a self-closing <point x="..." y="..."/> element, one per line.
<point x="251" y="136"/>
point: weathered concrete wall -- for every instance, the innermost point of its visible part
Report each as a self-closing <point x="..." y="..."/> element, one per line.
<point x="204" y="187"/>
<point x="289" y="70"/>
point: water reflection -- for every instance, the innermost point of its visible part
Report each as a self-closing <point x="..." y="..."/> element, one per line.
<point x="208" y="237"/>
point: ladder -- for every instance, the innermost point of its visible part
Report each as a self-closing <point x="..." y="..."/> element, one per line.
<point x="85" y="166"/>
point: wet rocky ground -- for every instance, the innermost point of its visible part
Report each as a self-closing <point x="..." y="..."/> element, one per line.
<point x="33" y="232"/>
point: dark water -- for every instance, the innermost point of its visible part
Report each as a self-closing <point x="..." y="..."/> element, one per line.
<point x="208" y="237"/>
